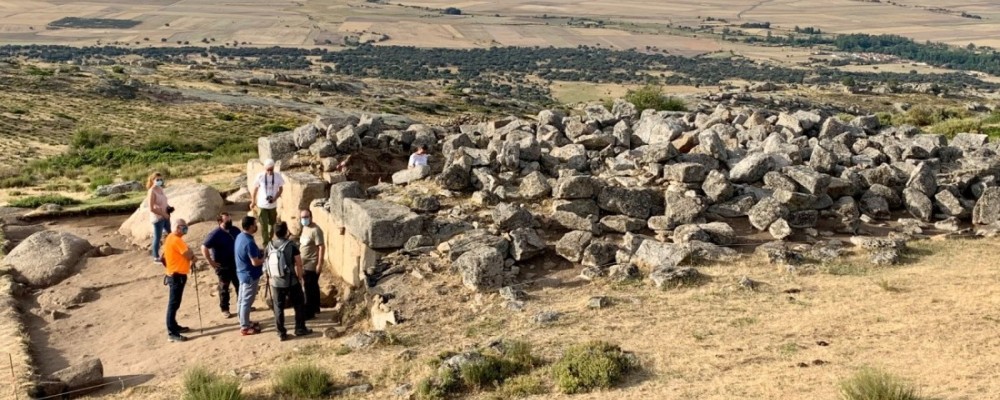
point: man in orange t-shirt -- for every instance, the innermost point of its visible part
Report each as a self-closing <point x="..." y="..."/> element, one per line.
<point x="178" y="259"/>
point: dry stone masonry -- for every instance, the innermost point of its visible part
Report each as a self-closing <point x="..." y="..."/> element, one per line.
<point x="621" y="191"/>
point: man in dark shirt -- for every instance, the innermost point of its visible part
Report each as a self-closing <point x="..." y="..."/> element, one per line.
<point x="218" y="249"/>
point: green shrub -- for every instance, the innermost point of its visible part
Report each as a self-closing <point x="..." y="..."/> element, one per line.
<point x="100" y="180"/>
<point x="952" y="127"/>
<point x="33" y="70"/>
<point x="88" y="139"/>
<point x="521" y="386"/>
<point x="224" y="116"/>
<point x="589" y="366"/>
<point x="993" y="118"/>
<point x="493" y="367"/>
<point x="200" y="384"/>
<point x="38" y="201"/>
<point x="274" y="127"/>
<point x="873" y="384"/>
<point x="303" y="381"/>
<point x="18" y="181"/>
<point x="651" y="96"/>
<point x="992" y="131"/>
<point x="885" y="118"/>
<point x="118" y="69"/>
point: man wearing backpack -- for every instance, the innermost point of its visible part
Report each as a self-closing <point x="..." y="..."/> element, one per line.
<point x="284" y="270"/>
<point x="249" y="262"/>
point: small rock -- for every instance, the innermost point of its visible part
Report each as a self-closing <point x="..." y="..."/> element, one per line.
<point x="513" y="294"/>
<point x="357" y="389"/>
<point x="547" y="317"/>
<point x="883" y="257"/>
<point x="597" y="302"/>
<point x="748" y="283"/>
<point x="403" y="390"/>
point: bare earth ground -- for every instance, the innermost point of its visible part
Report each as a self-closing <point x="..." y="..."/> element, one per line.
<point x="932" y="320"/>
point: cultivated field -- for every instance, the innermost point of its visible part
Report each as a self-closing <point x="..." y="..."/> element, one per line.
<point x="628" y="23"/>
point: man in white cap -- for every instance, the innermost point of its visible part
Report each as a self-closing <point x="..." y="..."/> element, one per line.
<point x="267" y="190"/>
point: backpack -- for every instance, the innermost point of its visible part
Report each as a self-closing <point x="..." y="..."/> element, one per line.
<point x="277" y="266"/>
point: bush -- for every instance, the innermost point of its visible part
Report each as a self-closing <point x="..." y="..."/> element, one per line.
<point x="594" y="365"/>
<point x="303" y="381"/>
<point x="274" y="127"/>
<point x="88" y="139"/>
<point x="492" y="369"/>
<point x="200" y="384"/>
<point x="18" y="181"/>
<point x="651" y="96"/>
<point x="38" y="201"/>
<point x="522" y="386"/>
<point x="100" y="180"/>
<point x="952" y="127"/>
<point x="872" y="384"/>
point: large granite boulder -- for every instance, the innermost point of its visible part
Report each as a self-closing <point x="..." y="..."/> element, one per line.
<point x="192" y="203"/>
<point x="46" y="258"/>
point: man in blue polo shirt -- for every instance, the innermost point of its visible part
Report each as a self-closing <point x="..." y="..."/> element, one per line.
<point x="249" y="262"/>
<point x="218" y="249"/>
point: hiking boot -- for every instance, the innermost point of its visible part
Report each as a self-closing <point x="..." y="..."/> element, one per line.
<point x="282" y="337"/>
<point x="157" y="261"/>
<point x="304" y="332"/>
<point x="176" y="338"/>
<point x="248" y="331"/>
<point x="226" y="314"/>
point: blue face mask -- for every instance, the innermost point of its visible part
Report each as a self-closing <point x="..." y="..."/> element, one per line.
<point x="305" y="221"/>
<point x="184" y="230"/>
<point x="159" y="182"/>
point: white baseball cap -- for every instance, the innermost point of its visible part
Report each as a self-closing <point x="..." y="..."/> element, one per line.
<point x="269" y="163"/>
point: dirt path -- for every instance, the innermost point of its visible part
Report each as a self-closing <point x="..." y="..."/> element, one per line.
<point x="124" y="323"/>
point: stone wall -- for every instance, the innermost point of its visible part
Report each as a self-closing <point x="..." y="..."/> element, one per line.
<point x="346" y="255"/>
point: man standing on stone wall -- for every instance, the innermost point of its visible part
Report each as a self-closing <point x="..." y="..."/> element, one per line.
<point x="267" y="189"/>
<point x="312" y="248"/>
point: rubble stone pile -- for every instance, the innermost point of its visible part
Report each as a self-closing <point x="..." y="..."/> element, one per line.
<point x="623" y="190"/>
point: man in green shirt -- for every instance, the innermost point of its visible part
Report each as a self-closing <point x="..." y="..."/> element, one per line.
<point x="312" y="248"/>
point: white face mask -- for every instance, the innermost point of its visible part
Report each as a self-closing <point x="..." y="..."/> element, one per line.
<point x="159" y="182"/>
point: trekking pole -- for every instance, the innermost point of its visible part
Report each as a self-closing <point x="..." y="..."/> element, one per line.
<point x="197" y="297"/>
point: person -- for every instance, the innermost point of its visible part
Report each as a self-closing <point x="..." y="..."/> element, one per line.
<point x="312" y="248"/>
<point x="219" y="250"/>
<point x="285" y="287"/>
<point x="159" y="212"/>
<point x="249" y="262"/>
<point x="177" y="261"/>
<point x="267" y="189"/>
<point x="418" y="157"/>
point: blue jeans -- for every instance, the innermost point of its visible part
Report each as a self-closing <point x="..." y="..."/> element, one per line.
<point x="160" y="228"/>
<point x="247" y="294"/>
<point x="176" y="284"/>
